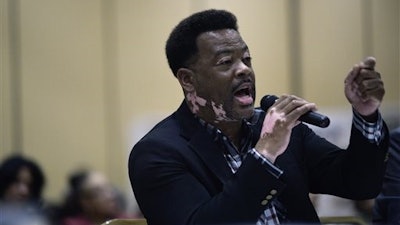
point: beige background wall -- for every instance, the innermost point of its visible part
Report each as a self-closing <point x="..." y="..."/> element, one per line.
<point x="82" y="81"/>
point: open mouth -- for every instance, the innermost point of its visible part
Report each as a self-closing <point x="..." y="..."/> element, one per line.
<point x="242" y="92"/>
<point x="243" y="95"/>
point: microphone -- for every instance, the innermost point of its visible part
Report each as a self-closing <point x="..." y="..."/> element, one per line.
<point x="310" y="117"/>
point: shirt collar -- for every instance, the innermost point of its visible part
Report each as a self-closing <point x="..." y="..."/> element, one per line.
<point x="245" y="142"/>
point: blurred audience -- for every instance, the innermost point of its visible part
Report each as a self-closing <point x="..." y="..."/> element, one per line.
<point x="21" y="185"/>
<point x="387" y="204"/>
<point x="91" y="200"/>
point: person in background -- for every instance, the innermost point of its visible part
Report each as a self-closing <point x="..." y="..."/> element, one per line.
<point x="387" y="204"/>
<point x="21" y="185"/>
<point x="219" y="160"/>
<point x="91" y="200"/>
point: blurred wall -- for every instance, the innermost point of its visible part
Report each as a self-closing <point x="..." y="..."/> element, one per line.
<point x="82" y="81"/>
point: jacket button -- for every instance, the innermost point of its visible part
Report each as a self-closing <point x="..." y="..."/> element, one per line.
<point x="273" y="192"/>
<point x="264" y="202"/>
<point x="268" y="197"/>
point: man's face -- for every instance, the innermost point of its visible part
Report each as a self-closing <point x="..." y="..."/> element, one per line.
<point x="223" y="80"/>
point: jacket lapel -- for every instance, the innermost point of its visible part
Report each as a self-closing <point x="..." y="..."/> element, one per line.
<point x="202" y="144"/>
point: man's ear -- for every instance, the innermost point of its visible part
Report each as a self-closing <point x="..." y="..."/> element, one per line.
<point x="186" y="78"/>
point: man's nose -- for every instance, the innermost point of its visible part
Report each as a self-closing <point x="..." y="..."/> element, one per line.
<point x="242" y="69"/>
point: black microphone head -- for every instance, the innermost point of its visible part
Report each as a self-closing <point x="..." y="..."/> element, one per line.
<point x="267" y="101"/>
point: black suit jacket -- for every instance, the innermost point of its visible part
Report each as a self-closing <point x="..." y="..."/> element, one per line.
<point x="179" y="175"/>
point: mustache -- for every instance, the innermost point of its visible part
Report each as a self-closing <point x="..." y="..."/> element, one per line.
<point x="244" y="81"/>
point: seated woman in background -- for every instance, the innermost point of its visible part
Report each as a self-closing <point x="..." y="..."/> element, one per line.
<point x="21" y="185"/>
<point x="91" y="200"/>
<point x="21" y="181"/>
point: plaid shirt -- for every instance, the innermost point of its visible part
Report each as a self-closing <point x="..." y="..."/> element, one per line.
<point x="234" y="156"/>
<point x="372" y="131"/>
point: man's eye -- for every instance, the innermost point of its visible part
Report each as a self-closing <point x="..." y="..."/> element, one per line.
<point x="247" y="60"/>
<point x="225" y="62"/>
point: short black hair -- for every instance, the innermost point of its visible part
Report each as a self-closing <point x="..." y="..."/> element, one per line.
<point x="181" y="44"/>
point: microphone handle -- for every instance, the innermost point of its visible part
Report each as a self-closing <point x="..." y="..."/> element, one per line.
<point x="315" y="119"/>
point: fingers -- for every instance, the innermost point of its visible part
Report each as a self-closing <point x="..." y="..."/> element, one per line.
<point x="351" y="76"/>
<point x="362" y="71"/>
<point x="369" y="63"/>
<point x="364" y="87"/>
<point x="368" y="81"/>
<point x="292" y="107"/>
<point x="281" y="117"/>
<point x="371" y="88"/>
<point x="365" y="75"/>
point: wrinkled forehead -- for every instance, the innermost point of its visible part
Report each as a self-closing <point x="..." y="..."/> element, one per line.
<point x="220" y="40"/>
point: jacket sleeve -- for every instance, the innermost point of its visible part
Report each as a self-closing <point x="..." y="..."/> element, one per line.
<point x="353" y="173"/>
